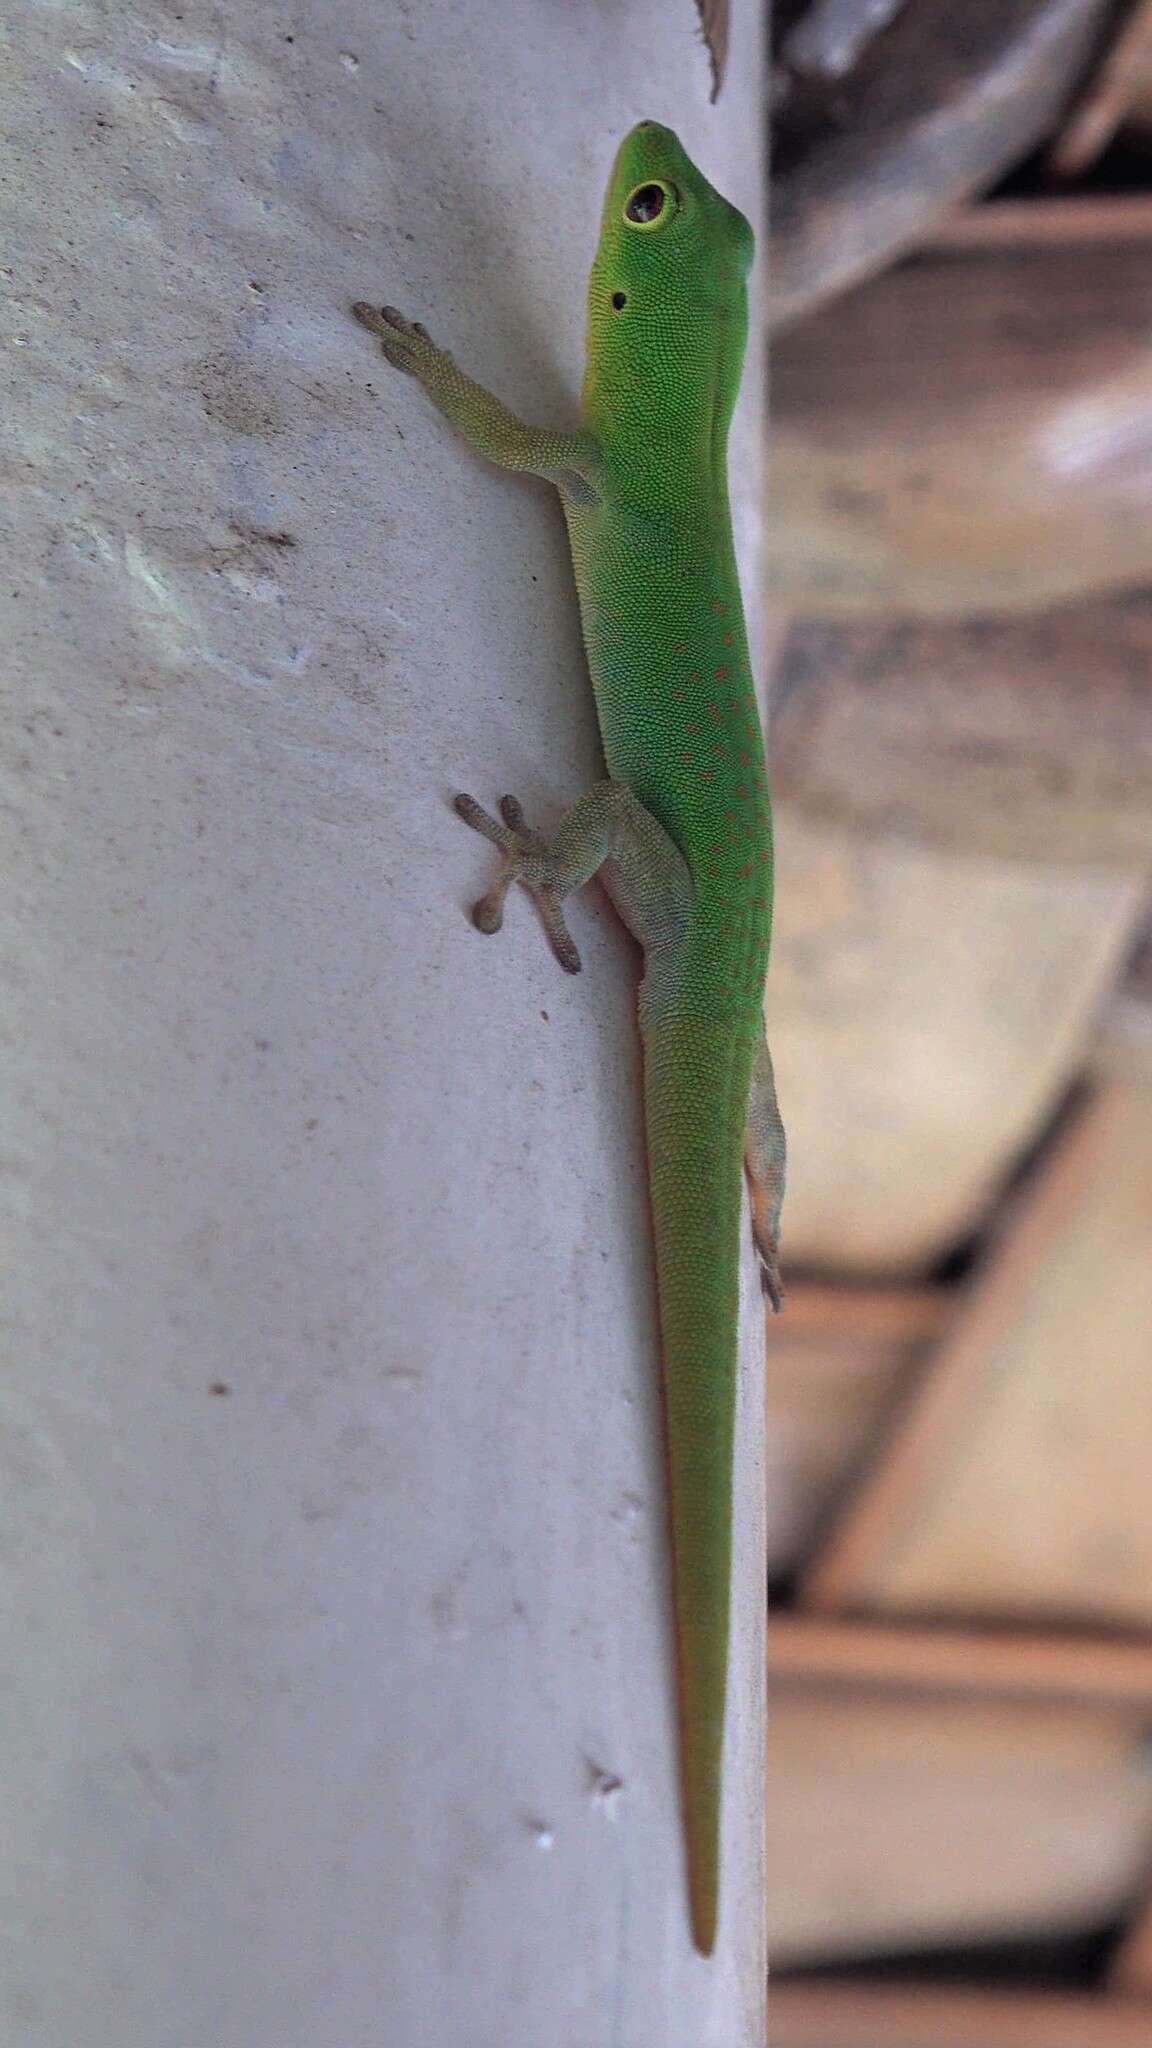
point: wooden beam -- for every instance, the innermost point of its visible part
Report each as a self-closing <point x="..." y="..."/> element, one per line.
<point x="845" y="1572"/>
<point x="806" y="1650"/>
<point x="1132" y="1966"/>
<point x="922" y="116"/>
<point x="966" y="436"/>
<point x="904" y="1820"/>
<point x="928" y="1010"/>
<point x="863" y="2015"/>
<point x="1024" y="739"/>
<point x="836" y="1366"/>
<point x="894" y="1315"/>
<point x="1044" y="223"/>
<point x="1118" y="85"/>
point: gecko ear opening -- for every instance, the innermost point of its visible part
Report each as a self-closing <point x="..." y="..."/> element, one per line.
<point x="619" y="301"/>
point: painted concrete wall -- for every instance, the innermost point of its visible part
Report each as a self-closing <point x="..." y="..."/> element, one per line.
<point x="336" y="1642"/>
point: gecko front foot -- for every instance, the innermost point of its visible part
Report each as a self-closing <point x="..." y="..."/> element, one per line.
<point x="407" y="345"/>
<point x="526" y="859"/>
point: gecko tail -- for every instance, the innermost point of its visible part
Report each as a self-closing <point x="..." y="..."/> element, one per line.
<point x="696" y="1086"/>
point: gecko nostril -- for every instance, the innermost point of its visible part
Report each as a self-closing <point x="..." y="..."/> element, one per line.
<point x="619" y="300"/>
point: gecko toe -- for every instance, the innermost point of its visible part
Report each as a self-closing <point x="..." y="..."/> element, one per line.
<point x="374" y="318"/>
<point x="488" y="913"/>
<point x="559" y="937"/>
<point x="479" y="819"/>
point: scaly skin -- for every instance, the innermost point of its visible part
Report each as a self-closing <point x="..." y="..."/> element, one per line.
<point x="681" y="830"/>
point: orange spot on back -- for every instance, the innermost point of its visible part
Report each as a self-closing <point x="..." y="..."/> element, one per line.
<point x="706" y="775"/>
<point x="721" y="673"/>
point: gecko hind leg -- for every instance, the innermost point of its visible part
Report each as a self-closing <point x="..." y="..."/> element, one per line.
<point x="764" y="1159"/>
<point x="606" y="830"/>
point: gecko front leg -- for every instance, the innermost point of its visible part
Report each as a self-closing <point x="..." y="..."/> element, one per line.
<point x="568" y="460"/>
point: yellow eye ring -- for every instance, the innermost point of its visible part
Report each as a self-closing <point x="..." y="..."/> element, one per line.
<point x="650" y="205"/>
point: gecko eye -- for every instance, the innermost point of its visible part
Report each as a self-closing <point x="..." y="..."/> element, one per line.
<point x="649" y="205"/>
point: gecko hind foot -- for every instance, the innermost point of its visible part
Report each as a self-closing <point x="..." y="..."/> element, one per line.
<point x="771" y="1285"/>
<point x="525" y="859"/>
<point x="764" y="1157"/>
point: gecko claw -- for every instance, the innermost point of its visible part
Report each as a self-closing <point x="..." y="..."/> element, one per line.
<point x="525" y="859"/>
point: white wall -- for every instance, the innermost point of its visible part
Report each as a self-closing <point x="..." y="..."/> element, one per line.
<point x="316" y="1683"/>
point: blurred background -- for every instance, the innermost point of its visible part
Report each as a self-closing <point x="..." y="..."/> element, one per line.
<point x="960" y="1001"/>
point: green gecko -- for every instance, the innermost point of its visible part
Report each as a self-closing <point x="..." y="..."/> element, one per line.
<point x="680" y="831"/>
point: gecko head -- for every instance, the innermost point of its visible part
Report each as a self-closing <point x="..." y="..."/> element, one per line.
<point x="667" y="307"/>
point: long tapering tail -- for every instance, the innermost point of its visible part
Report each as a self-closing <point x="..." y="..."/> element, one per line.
<point x="696" y="1092"/>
